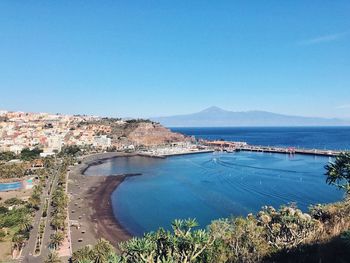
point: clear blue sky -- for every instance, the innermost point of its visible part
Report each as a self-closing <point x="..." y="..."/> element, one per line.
<point x="154" y="58"/>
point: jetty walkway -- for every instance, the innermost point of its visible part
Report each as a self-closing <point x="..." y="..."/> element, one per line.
<point x="243" y="146"/>
<point x="253" y="148"/>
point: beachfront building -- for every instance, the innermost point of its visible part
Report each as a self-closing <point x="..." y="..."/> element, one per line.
<point x="102" y="141"/>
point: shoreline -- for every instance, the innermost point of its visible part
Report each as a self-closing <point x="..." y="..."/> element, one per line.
<point x="90" y="205"/>
<point x="107" y="224"/>
<point x="163" y="156"/>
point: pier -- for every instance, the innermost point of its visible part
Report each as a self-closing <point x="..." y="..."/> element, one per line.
<point x="243" y="146"/>
<point x="253" y="148"/>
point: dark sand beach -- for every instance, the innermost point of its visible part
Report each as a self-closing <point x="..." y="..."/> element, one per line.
<point x="90" y="207"/>
<point x="107" y="225"/>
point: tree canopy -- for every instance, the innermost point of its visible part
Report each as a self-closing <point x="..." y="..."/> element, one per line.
<point x="70" y="150"/>
<point x="28" y="155"/>
<point x="338" y="172"/>
<point x="7" y="156"/>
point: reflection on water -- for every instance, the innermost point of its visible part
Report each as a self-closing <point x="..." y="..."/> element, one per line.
<point x="211" y="186"/>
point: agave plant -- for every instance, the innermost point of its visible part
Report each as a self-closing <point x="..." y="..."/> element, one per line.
<point x="183" y="245"/>
<point x="53" y="258"/>
<point x="102" y="251"/>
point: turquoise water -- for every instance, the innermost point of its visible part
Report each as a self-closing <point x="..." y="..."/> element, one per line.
<point x="10" y="186"/>
<point x="211" y="186"/>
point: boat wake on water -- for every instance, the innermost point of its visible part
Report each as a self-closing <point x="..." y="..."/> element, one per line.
<point x="231" y="164"/>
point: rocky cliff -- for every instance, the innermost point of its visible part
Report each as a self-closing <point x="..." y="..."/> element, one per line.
<point x="149" y="134"/>
<point x="137" y="131"/>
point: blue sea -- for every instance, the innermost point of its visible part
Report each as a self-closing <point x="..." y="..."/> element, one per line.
<point x="330" y="138"/>
<point x="215" y="185"/>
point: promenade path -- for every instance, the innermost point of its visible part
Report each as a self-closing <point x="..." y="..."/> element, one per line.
<point x="45" y="250"/>
<point x="27" y="255"/>
<point x="65" y="250"/>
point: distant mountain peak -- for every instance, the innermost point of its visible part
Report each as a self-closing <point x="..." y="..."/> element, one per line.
<point x="217" y="117"/>
<point x="213" y="109"/>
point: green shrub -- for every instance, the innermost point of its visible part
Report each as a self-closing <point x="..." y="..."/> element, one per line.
<point x="287" y="227"/>
<point x="238" y="240"/>
<point x="13" y="201"/>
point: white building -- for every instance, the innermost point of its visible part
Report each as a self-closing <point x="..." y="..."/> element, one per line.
<point x="16" y="148"/>
<point x="102" y="141"/>
<point x="54" y="143"/>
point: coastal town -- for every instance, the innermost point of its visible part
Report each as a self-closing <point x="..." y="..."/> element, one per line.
<point x="51" y="132"/>
<point x="50" y="210"/>
<point x="43" y="157"/>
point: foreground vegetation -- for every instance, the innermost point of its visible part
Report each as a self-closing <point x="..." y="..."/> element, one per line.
<point x="270" y="236"/>
<point x="283" y="235"/>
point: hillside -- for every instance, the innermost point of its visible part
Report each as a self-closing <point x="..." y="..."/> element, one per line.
<point x="138" y="132"/>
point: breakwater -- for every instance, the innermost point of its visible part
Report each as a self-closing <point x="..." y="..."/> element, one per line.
<point x="253" y="148"/>
<point x="243" y="146"/>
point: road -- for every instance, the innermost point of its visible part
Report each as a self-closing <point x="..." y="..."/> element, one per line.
<point x="27" y="255"/>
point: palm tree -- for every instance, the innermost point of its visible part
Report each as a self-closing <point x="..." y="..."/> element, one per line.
<point x="56" y="239"/>
<point x="48" y="162"/>
<point x="25" y="223"/>
<point x="34" y="201"/>
<point x="53" y="258"/>
<point x="58" y="221"/>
